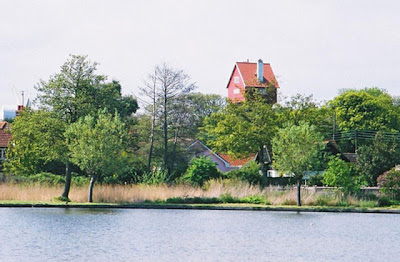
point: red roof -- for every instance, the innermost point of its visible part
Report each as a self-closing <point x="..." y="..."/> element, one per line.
<point x="5" y="135"/>
<point x="237" y="162"/>
<point x="249" y="74"/>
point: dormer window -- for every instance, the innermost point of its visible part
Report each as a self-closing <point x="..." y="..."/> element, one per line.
<point x="236" y="80"/>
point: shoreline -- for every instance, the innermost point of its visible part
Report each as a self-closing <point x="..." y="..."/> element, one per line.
<point x="223" y="207"/>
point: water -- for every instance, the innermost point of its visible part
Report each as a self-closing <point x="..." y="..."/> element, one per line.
<point x="34" y="234"/>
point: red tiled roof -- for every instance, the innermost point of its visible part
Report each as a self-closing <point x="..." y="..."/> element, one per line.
<point x="5" y="135"/>
<point x="237" y="162"/>
<point x="249" y="74"/>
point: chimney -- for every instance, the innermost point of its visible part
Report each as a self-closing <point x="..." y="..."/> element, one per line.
<point x="260" y="71"/>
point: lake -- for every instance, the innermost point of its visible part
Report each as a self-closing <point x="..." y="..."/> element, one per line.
<point x="56" y="234"/>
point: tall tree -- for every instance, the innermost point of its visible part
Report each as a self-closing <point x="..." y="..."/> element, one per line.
<point x="171" y="83"/>
<point x="98" y="146"/>
<point x="77" y="91"/>
<point x="295" y="147"/>
<point x="37" y="139"/>
<point x="149" y="90"/>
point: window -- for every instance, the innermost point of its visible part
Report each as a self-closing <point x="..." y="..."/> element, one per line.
<point x="236" y="91"/>
<point x="236" y="80"/>
<point x="263" y="91"/>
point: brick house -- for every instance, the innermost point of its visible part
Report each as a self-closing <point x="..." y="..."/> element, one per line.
<point x="248" y="76"/>
<point x="5" y="137"/>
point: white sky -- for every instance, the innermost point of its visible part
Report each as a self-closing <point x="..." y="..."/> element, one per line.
<point x="314" y="47"/>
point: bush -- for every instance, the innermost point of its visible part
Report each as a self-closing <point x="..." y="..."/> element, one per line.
<point x="342" y="175"/>
<point x="250" y="173"/>
<point x="255" y="200"/>
<point x="389" y="184"/>
<point x="384" y="201"/>
<point x="201" y="170"/>
<point x="316" y="180"/>
<point x="49" y="179"/>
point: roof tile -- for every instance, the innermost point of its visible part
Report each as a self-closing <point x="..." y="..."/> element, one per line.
<point x="249" y="74"/>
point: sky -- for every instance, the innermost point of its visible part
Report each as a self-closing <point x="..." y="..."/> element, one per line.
<point x="314" y="47"/>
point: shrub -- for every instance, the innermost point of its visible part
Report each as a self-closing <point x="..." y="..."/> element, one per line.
<point x="228" y="198"/>
<point x="389" y="184"/>
<point x="201" y="170"/>
<point x="383" y="201"/>
<point x="316" y="180"/>
<point x="250" y="173"/>
<point x="255" y="200"/>
<point x="49" y="179"/>
<point x="341" y="174"/>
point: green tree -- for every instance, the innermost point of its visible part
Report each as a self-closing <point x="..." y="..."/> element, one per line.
<point x="377" y="157"/>
<point x="77" y="91"/>
<point x="98" y="146"/>
<point x="37" y="139"/>
<point x="240" y="129"/>
<point x="366" y="109"/>
<point x="301" y="108"/>
<point x="342" y="175"/>
<point x="295" y="147"/>
<point x="200" y="170"/>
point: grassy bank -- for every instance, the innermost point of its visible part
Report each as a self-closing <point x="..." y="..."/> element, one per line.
<point x="215" y="192"/>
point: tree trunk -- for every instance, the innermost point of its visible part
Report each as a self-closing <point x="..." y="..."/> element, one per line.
<point x="153" y="123"/>
<point x="299" y="190"/>
<point x="165" y="129"/>
<point x="151" y="139"/>
<point x="174" y="149"/>
<point x="92" y="180"/>
<point x="68" y="178"/>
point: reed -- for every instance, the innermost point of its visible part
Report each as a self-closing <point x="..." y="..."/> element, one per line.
<point x="141" y="193"/>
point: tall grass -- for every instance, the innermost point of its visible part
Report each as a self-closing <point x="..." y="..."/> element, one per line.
<point x="141" y="193"/>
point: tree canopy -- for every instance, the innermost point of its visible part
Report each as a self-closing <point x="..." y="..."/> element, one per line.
<point x="98" y="145"/>
<point x="366" y="109"/>
<point x="295" y="147"/>
<point x="77" y="91"/>
<point x="241" y="128"/>
<point x="37" y="138"/>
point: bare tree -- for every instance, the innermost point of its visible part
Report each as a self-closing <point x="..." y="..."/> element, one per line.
<point x="163" y="89"/>
<point x="149" y="90"/>
<point x="171" y="84"/>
